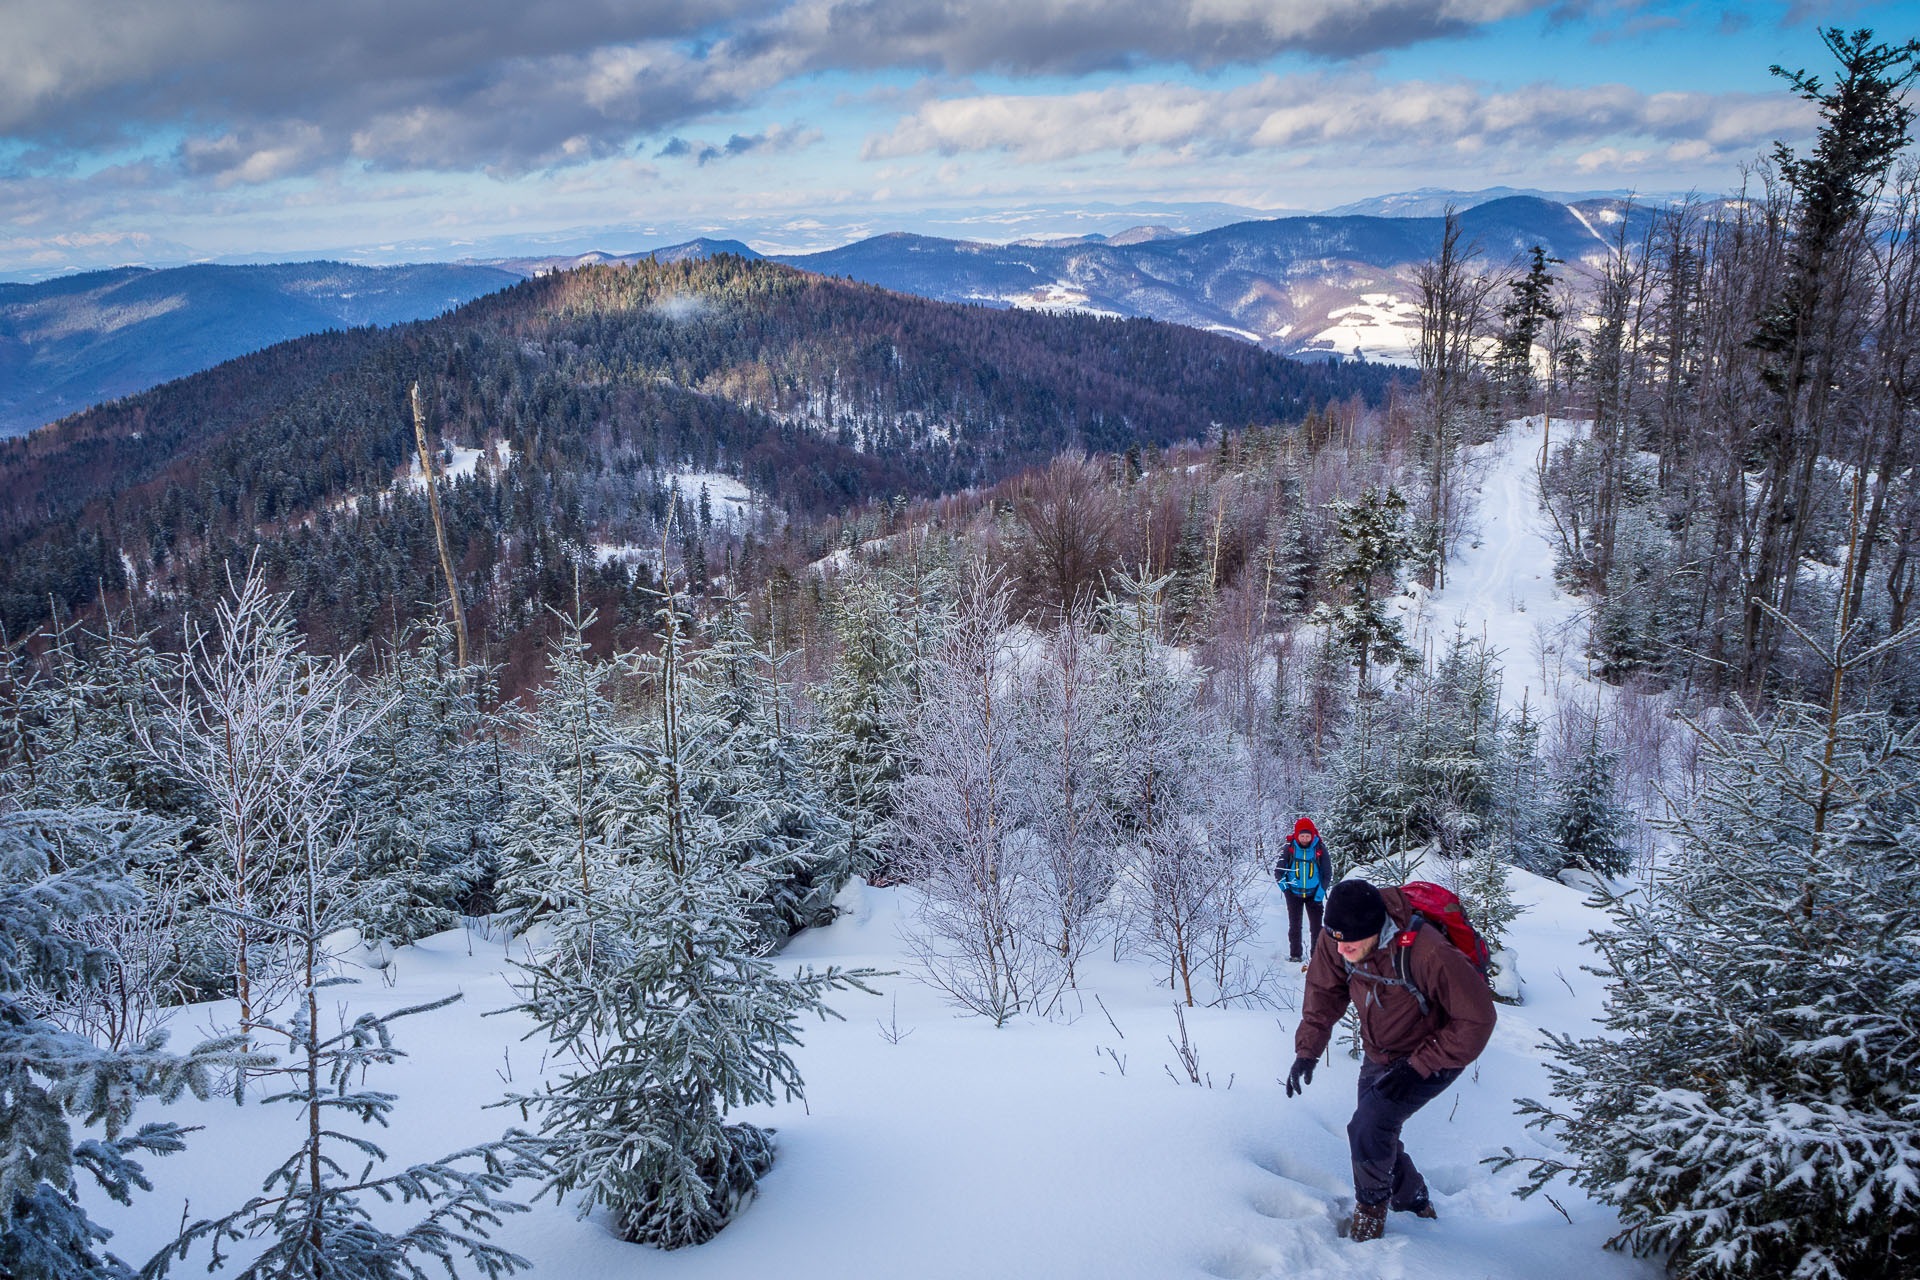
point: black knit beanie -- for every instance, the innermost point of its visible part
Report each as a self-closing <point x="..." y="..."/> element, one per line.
<point x="1355" y="910"/>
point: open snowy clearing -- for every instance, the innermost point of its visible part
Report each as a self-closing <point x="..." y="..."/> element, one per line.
<point x="1381" y="326"/>
<point x="965" y="1151"/>
<point x="728" y="499"/>
<point x="464" y="464"/>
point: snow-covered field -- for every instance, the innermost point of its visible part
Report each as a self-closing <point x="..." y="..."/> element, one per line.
<point x="1381" y="326"/>
<point x="728" y="498"/>
<point x="965" y="1151"/>
<point x="465" y="463"/>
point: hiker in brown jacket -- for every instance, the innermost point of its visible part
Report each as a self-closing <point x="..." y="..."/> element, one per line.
<point x="1420" y="1026"/>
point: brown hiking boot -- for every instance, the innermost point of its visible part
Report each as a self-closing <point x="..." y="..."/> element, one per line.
<point x="1422" y="1210"/>
<point x="1369" y="1220"/>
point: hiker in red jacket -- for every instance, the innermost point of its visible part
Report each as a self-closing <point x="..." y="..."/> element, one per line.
<point x="1304" y="872"/>
<point x="1425" y="1012"/>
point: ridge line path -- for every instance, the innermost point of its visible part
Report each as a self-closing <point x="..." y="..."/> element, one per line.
<point x="1500" y="581"/>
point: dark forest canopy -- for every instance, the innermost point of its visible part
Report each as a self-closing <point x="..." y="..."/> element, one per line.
<point x="818" y="393"/>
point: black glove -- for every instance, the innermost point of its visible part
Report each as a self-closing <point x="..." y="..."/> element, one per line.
<point x="1398" y="1081"/>
<point x="1301" y="1076"/>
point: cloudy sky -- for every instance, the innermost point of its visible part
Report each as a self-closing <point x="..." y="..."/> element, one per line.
<point x="387" y="130"/>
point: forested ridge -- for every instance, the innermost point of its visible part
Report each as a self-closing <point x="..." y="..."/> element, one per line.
<point x="817" y="393"/>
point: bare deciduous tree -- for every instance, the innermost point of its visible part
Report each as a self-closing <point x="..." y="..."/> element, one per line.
<point x="1067" y="516"/>
<point x="986" y="932"/>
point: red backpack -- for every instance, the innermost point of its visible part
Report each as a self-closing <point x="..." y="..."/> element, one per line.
<point x="1440" y="907"/>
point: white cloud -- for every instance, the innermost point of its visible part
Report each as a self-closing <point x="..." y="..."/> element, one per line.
<point x="1291" y="113"/>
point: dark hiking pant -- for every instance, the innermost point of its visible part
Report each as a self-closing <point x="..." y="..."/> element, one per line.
<point x="1313" y="906"/>
<point x="1382" y="1171"/>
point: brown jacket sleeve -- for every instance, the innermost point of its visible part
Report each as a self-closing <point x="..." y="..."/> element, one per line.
<point x="1326" y="1000"/>
<point x="1450" y="982"/>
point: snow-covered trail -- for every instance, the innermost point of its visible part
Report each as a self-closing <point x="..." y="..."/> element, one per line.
<point x="1499" y="583"/>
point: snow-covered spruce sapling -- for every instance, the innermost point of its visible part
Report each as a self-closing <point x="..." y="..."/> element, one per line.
<point x="1590" y="824"/>
<point x="1370" y="547"/>
<point x="876" y="673"/>
<point x="562" y="795"/>
<point x="58" y="868"/>
<point x="762" y="772"/>
<point x="1751" y="1108"/>
<point x="664" y="1011"/>
<point x="424" y="796"/>
<point x="312" y="1211"/>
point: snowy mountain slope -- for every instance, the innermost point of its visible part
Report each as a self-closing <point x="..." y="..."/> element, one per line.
<point x="1287" y="283"/>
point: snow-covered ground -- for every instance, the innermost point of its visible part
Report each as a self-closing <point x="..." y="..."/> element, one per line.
<point x="465" y="463"/>
<point x="728" y="497"/>
<point x="963" y="1151"/>
<point x="932" y="1145"/>
<point x="1057" y="296"/>
<point x="627" y="553"/>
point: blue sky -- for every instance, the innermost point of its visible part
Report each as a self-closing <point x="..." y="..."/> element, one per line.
<point x="391" y="130"/>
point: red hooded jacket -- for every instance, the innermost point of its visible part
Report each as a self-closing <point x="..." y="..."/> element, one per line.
<point x="1309" y="875"/>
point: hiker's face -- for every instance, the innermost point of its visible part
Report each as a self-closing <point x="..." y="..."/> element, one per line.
<point x="1303" y="839"/>
<point x="1355" y="952"/>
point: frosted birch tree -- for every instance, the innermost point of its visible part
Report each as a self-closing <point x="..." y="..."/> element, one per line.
<point x="1068" y="811"/>
<point x="262" y="730"/>
<point x="985" y="932"/>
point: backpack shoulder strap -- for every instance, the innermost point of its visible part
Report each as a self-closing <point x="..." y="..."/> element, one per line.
<point x="1403" y="961"/>
<point x="1401" y="945"/>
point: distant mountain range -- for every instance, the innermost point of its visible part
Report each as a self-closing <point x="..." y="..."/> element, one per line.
<point x="78" y="341"/>
<point x="1316" y="286"/>
<point x="1433" y="202"/>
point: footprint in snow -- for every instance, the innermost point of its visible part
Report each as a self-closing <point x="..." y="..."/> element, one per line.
<point x="1451" y="1179"/>
<point x="1247" y="1260"/>
<point x="1286" y="1202"/>
<point x="1282" y="1165"/>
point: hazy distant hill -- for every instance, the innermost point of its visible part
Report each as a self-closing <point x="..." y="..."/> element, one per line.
<point x="76" y="341"/>
<point x="1433" y="202"/>
<point x="691" y="249"/>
